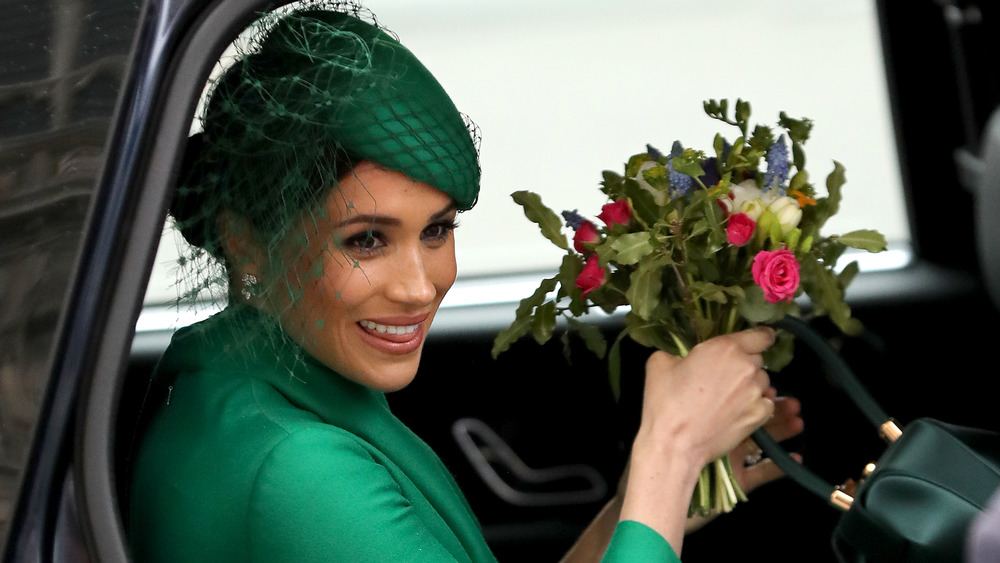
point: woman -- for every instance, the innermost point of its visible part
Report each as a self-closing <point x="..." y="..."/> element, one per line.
<point x="327" y="180"/>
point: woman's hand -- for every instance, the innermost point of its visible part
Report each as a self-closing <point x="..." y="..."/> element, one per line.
<point x="751" y="471"/>
<point x="706" y="403"/>
<point x="695" y="409"/>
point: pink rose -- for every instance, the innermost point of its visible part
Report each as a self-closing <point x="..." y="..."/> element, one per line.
<point x="592" y="277"/>
<point x="586" y="235"/>
<point x="739" y="229"/>
<point x="616" y="213"/>
<point x="777" y="273"/>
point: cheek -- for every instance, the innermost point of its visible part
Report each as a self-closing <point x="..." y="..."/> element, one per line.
<point x="443" y="268"/>
<point x="343" y="286"/>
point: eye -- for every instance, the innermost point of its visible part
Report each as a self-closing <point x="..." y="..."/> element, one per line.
<point x="438" y="232"/>
<point x="365" y="242"/>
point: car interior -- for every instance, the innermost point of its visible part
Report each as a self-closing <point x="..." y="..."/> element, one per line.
<point x="93" y="122"/>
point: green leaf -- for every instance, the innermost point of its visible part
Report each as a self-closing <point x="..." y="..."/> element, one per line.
<point x="864" y="239"/>
<point x="545" y="218"/>
<point x="689" y="162"/>
<point x="569" y="270"/>
<point x="634" y="163"/>
<point x="612" y="184"/>
<point x="708" y="291"/>
<point x="535" y="299"/>
<point x="834" y="181"/>
<point x="798" y="129"/>
<point x="755" y="309"/>
<point x="714" y="292"/>
<point x="591" y="336"/>
<point x="509" y="335"/>
<point x="522" y="317"/>
<point x="827" y="294"/>
<point x="799" y="180"/>
<point x="846" y="276"/>
<point x="644" y="290"/>
<point x="761" y="139"/>
<point x="742" y="112"/>
<point x="798" y="156"/>
<point x="830" y="250"/>
<point x="630" y="248"/>
<point x="543" y="323"/>
<point x="780" y="353"/>
<point x="642" y="201"/>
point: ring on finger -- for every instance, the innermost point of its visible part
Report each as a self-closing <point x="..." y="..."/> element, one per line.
<point x="754" y="453"/>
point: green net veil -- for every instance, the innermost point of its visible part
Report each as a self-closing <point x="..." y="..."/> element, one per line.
<point x="313" y="91"/>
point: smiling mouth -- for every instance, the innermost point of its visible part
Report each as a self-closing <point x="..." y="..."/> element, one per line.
<point x="390" y="329"/>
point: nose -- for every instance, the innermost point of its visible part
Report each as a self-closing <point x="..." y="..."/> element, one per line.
<point x="412" y="280"/>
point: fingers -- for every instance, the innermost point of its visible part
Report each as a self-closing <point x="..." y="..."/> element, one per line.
<point x="787" y="420"/>
<point x="752" y="470"/>
<point x="755" y="340"/>
<point x="760" y="473"/>
<point x="715" y="396"/>
<point x="768" y="408"/>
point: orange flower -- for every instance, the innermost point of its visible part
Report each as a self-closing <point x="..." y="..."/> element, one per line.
<point x="802" y="198"/>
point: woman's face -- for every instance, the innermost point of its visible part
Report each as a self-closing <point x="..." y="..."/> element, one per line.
<point x="373" y="276"/>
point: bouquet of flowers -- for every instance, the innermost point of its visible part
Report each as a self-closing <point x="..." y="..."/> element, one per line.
<point x="695" y="245"/>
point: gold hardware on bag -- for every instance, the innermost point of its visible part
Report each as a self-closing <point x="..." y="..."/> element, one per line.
<point x="843" y="496"/>
<point x="841" y="500"/>
<point x="890" y="431"/>
<point x="848" y="487"/>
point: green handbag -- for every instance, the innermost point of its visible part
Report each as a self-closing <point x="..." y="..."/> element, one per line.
<point x="916" y="503"/>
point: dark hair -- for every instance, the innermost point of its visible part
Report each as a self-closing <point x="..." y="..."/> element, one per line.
<point x="317" y="92"/>
<point x="188" y="207"/>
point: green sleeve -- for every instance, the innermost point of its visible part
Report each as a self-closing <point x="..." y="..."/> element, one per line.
<point x="320" y="496"/>
<point x="635" y="541"/>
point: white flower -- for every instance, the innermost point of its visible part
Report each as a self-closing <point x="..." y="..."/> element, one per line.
<point x="661" y="197"/>
<point x="752" y="209"/>
<point x="787" y="211"/>
<point x="746" y="190"/>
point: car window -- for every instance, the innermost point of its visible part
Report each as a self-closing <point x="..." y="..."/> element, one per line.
<point x="563" y="90"/>
<point x="61" y="66"/>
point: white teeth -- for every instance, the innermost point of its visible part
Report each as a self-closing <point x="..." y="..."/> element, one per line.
<point x="389" y="329"/>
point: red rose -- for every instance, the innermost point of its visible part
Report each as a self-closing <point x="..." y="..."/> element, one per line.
<point x="777" y="273"/>
<point x="592" y="277"/>
<point x="739" y="229"/>
<point x="587" y="234"/>
<point x="616" y="213"/>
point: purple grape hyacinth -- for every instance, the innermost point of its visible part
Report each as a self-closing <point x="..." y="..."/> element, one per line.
<point x="681" y="183"/>
<point x="573" y="219"/>
<point x="777" y="165"/>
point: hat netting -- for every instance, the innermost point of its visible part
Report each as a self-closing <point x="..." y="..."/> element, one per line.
<point x="312" y="92"/>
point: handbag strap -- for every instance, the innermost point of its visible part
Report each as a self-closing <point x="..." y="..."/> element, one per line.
<point x="844" y="377"/>
<point x="837" y="369"/>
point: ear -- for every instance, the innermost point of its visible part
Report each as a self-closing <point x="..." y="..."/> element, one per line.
<point x="244" y="253"/>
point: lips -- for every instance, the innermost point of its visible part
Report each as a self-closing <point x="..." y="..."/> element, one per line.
<point x="394" y="335"/>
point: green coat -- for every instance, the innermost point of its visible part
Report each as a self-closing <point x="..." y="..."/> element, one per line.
<point x="259" y="453"/>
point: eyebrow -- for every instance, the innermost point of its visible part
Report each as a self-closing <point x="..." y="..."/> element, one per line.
<point x="372" y="219"/>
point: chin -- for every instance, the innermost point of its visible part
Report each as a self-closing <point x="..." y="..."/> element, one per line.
<point x="388" y="378"/>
